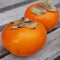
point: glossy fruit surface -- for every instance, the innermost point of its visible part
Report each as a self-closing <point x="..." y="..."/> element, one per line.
<point x="48" y="19"/>
<point x="23" y="41"/>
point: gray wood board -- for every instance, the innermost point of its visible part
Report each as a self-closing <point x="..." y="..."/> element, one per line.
<point x="50" y="51"/>
<point x="5" y="3"/>
<point x="12" y="6"/>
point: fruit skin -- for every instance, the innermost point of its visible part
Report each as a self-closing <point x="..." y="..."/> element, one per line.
<point x="23" y="41"/>
<point x="49" y="19"/>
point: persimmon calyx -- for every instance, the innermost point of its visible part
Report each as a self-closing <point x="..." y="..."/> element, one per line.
<point x="43" y="8"/>
<point x="24" y="23"/>
<point x="31" y="25"/>
<point x="50" y="6"/>
<point x="38" y="11"/>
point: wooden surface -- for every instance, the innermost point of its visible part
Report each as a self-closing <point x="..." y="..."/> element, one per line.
<point x="8" y="13"/>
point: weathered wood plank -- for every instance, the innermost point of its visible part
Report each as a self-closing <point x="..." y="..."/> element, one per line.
<point x="5" y="3"/>
<point x="16" y="13"/>
<point x="50" y="51"/>
<point x="12" y="6"/>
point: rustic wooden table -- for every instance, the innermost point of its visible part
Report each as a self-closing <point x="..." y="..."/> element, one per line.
<point x="14" y="9"/>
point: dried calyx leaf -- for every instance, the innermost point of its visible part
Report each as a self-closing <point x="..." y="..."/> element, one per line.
<point x="26" y="20"/>
<point x="16" y="23"/>
<point x="39" y="9"/>
<point x="36" y="11"/>
<point x="24" y="23"/>
<point x="31" y="25"/>
<point x="50" y="6"/>
<point x="43" y="8"/>
<point x="13" y="27"/>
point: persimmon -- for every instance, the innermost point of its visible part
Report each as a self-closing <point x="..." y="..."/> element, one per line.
<point x="43" y="12"/>
<point x="24" y="37"/>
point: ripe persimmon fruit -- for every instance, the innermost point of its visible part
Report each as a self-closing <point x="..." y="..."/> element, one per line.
<point x="25" y="38"/>
<point x="45" y="13"/>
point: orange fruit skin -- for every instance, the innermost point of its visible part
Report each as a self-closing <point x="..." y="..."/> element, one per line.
<point x="48" y="19"/>
<point x="23" y="41"/>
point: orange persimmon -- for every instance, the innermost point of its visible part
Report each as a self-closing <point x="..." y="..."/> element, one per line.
<point x="23" y="41"/>
<point x="49" y="19"/>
